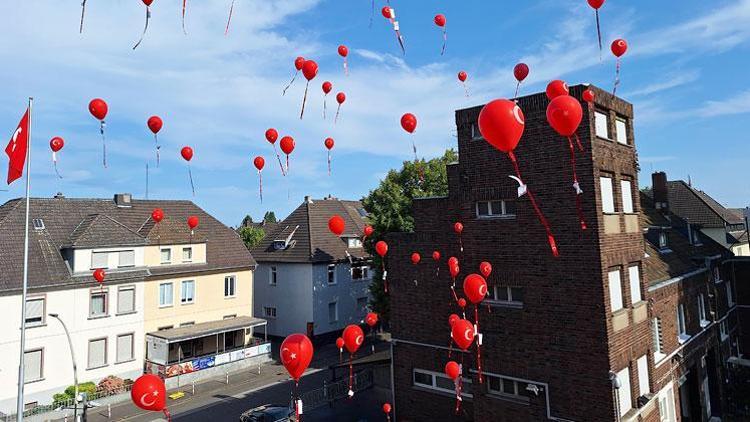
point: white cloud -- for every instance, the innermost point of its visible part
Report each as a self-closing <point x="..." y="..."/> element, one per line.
<point x="670" y="81"/>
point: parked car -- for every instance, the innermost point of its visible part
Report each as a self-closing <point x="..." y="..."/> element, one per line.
<point x="268" y="413"/>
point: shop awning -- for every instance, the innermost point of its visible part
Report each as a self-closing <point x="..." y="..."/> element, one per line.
<point x="175" y="335"/>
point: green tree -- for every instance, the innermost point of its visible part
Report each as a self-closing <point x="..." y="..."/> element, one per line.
<point x="251" y="235"/>
<point x="390" y="209"/>
<point x="246" y="221"/>
<point x="270" y="217"/>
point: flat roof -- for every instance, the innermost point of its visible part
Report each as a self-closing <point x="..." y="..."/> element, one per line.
<point x="189" y="332"/>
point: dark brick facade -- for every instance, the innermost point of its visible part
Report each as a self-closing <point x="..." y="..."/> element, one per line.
<point x="564" y="338"/>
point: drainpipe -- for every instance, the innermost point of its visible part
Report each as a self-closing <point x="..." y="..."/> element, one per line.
<point x="615" y="396"/>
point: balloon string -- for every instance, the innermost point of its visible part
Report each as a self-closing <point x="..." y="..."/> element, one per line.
<point x="578" y="141"/>
<point x="617" y="77"/>
<point x="445" y="40"/>
<point x="346" y="67"/>
<point x="341" y="355"/>
<point x="385" y="276"/>
<point x="229" y="20"/>
<point x="466" y="90"/>
<point x="156" y="141"/>
<point x="145" y="28"/>
<point x="329" y="163"/>
<point x="325" y="106"/>
<point x="283" y="173"/>
<point x="290" y="83"/>
<point x="351" y="374"/>
<point x="304" y="100"/>
<point x="458" y="381"/>
<point x="83" y="12"/>
<point x="598" y="33"/>
<point x="168" y="415"/>
<point x="540" y="216"/>
<point x="461" y="243"/>
<point x="184" y="5"/>
<point x="190" y="174"/>
<point x="518" y="85"/>
<point x="453" y="290"/>
<point x="336" y="119"/>
<point x="372" y="12"/>
<point x="102" y="125"/>
<point x="287" y="163"/>
<point x="576" y="187"/>
<point x="296" y="398"/>
<point x="260" y="177"/>
<point x="54" y="163"/>
<point x="414" y="148"/>
<point x="479" y="351"/>
<point x="401" y="42"/>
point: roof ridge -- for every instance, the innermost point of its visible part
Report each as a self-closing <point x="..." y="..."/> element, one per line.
<point x="14" y="206"/>
<point x="309" y="231"/>
<point x="698" y="194"/>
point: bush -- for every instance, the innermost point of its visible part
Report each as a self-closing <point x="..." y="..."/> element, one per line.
<point x="87" y="387"/>
<point x="111" y="385"/>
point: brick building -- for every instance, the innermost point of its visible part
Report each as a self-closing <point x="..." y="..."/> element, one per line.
<point x="568" y="338"/>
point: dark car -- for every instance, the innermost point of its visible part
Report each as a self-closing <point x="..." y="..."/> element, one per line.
<point x="268" y="413"/>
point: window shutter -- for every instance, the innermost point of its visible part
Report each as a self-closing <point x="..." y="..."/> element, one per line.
<point x="99" y="260"/>
<point x="643" y="387"/>
<point x="622" y="131"/>
<point x="627" y="196"/>
<point x="635" y="284"/>
<point x="124" y="348"/>
<point x="608" y="202"/>
<point x="615" y="290"/>
<point x="32" y="365"/>
<point x="601" y="122"/>
<point x="97" y="353"/>
<point x="35" y="310"/>
<point x="125" y="300"/>
<point x="626" y="403"/>
<point x="127" y="259"/>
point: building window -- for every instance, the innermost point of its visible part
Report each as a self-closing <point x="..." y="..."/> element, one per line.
<point x="507" y="295"/>
<point x="126" y="259"/>
<point x="623" y="393"/>
<point x="269" y="312"/>
<point x="663" y="242"/>
<point x="497" y="208"/>
<point x="166" y="256"/>
<point x="717" y="274"/>
<point x="331" y="273"/>
<point x="723" y="330"/>
<point x="98" y="305"/>
<point x="601" y="122"/>
<point x="634" y="276"/>
<point x="125" y="300"/>
<point x="187" y="292"/>
<point x="362" y="303"/>
<point x="273" y="276"/>
<point x="505" y="387"/>
<point x="626" y="190"/>
<point x="354" y="242"/>
<point x="643" y="386"/>
<point x="608" y="199"/>
<point x="166" y="327"/>
<point x="124" y="348"/>
<point x="187" y="324"/>
<point x="681" y="326"/>
<point x="97" y="353"/>
<point x="475" y="132"/>
<point x="730" y="296"/>
<point x="657" y="339"/>
<point x="233" y="316"/>
<point x="230" y="286"/>
<point x="615" y="290"/>
<point x="35" y="312"/>
<point x="166" y="298"/>
<point x="99" y="260"/>
<point x="439" y="382"/>
<point x="33" y="361"/>
<point x="360" y="272"/>
<point x="187" y="254"/>
<point x="702" y="310"/>
<point x="621" y="128"/>
<point x="695" y="236"/>
<point x="666" y="406"/>
<point x="333" y="312"/>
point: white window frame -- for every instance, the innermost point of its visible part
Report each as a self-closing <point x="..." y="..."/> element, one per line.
<point x="682" y="335"/>
<point x="475" y="132"/>
<point x="273" y="275"/>
<point x="269" y="312"/>
<point x="621" y="131"/>
<point x="624" y="393"/>
<point x="724" y="329"/>
<point x="491" y="211"/>
<point x="433" y="386"/>
<point x="600" y="124"/>
<point x="335" y="311"/>
<point x="125" y="289"/>
<point x="643" y="380"/>
<point x="517" y="387"/>
<point x="166" y="304"/>
<point x="184" y="300"/>
<point x="230" y="289"/>
<point x="626" y="194"/>
<point x="189" y="250"/>
<point x="608" y="195"/>
<point x="127" y="252"/>
<point x="667" y="405"/>
<point x="657" y="339"/>
<point x="614" y="281"/>
<point x="42" y="318"/>
<point x="702" y="310"/>
<point x="664" y="242"/>
<point x="121" y="359"/>
<point x="26" y="379"/>
<point x="365" y="271"/>
<point x="169" y="255"/>
<point x="97" y="292"/>
<point x="89" y="366"/>
<point x="331" y="278"/>
<point x="353" y="243"/>
<point x="634" y="278"/>
<point x="94" y="265"/>
<point x="494" y="297"/>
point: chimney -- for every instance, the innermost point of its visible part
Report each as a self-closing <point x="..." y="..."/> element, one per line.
<point x="59" y="195"/>
<point x="123" y="200"/>
<point x="659" y="189"/>
<point x="308" y="199"/>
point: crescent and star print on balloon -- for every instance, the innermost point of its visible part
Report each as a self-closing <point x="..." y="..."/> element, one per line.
<point x="353" y="338"/>
<point x="390" y="13"/>
<point x="462" y="76"/>
<point x="56" y="144"/>
<point x="329" y="143"/>
<point x="296" y="352"/>
<point x="619" y="47"/>
<point x="149" y="393"/>
<point x="440" y="21"/>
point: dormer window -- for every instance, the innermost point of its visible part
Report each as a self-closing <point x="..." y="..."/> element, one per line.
<point x="279" y="245"/>
<point x="353" y="242"/>
<point x="663" y="242"/>
<point x="38" y="224"/>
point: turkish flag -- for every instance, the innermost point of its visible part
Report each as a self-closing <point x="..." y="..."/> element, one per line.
<point x="16" y="149"/>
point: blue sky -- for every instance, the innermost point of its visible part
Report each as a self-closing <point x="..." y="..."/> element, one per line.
<point x="685" y="72"/>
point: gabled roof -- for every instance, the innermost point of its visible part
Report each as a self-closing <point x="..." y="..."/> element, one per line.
<point x="306" y="232"/>
<point x="99" y="230"/>
<point x="697" y="207"/>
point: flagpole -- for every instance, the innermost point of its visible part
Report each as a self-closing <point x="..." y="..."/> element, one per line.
<point x="19" y="400"/>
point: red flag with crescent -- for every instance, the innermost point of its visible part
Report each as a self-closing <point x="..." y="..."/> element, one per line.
<point x="16" y="149"/>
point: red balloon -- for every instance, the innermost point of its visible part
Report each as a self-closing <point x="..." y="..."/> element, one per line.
<point x="452" y="370"/>
<point x="556" y="88"/>
<point x="387" y="408"/>
<point x="329" y="143"/>
<point x="298" y="62"/>
<point x="409" y="122"/>
<point x="588" y="95"/>
<point x="187" y="153"/>
<point x="340" y="98"/>
<point x="343" y="51"/>
<point x="272" y="135"/>
<point x="99" y="275"/>
<point x="147" y="2"/>
<point x="596" y="4"/>
<point x="57" y="143"/>
<point x="619" y="47"/>
<point x="475" y="288"/>
<point x="462" y="76"/>
<point x="453" y="318"/>
<point x="564" y="114"/>
<point x="287" y="144"/>
<point x="193" y="221"/>
<point x="501" y="123"/>
<point x="371" y="319"/>
<point x="259" y="162"/>
<point x="369" y="230"/>
<point x="485" y="268"/>
<point x="310" y="69"/>
<point x="462" y="332"/>
<point x="458" y="228"/>
<point x="327" y="87"/>
<point x="157" y="215"/>
<point x="452" y="261"/>
<point x="454" y="270"/>
<point x="386" y="11"/>
<point x="440" y="20"/>
<point x="155" y="123"/>
<point x="149" y="393"/>
<point x="415" y="258"/>
<point x="336" y="225"/>
<point x="381" y="248"/>
<point x="340" y="343"/>
<point x="296" y="353"/>
<point x="461" y="302"/>
<point x="353" y="337"/>
<point x="98" y="108"/>
<point x="436" y="255"/>
<point x="521" y="71"/>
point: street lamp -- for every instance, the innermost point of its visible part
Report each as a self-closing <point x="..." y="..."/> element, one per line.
<point x="75" y="368"/>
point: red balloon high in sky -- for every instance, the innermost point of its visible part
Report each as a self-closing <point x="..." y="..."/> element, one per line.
<point x="259" y="162"/>
<point x="148" y="17"/>
<point x="287" y="145"/>
<point x="56" y="144"/>
<point x="329" y="142"/>
<point x="327" y="87"/>
<point x="309" y="71"/>
<point x="390" y="14"/>
<point x="99" y="109"/>
<point x="440" y="21"/>
<point x="298" y="63"/>
<point x="596" y="5"/>
<point x="520" y="72"/>
<point x="462" y="76"/>
<point x="155" y="124"/>
<point x="409" y="124"/>
<point x="344" y="52"/>
<point x="187" y="155"/>
<point x="619" y="47"/>
<point x="340" y="98"/>
<point x="271" y="136"/>
<point x="556" y="88"/>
